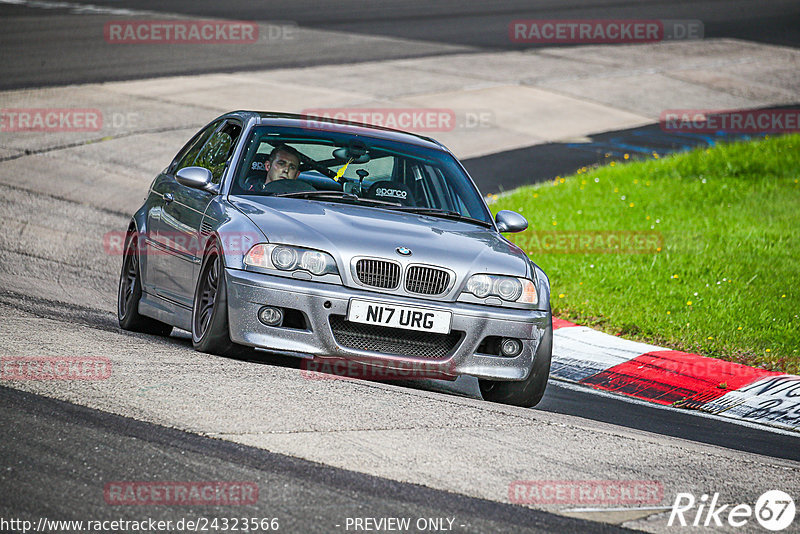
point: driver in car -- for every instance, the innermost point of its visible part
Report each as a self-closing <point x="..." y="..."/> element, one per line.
<point x="277" y="173"/>
<point x="283" y="164"/>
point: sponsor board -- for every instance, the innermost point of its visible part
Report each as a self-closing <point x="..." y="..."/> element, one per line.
<point x="772" y="400"/>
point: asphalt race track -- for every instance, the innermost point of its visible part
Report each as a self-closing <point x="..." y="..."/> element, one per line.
<point x="321" y="452"/>
<point x="56" y="43"/>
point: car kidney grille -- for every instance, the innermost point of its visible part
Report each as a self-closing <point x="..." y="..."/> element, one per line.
<point x="426" y="280"/>
<point x="378" y="273"/>
<point x="393" y="341"/>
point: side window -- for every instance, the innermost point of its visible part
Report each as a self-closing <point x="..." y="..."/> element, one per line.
<point x="218" y="149"/>
<point x="187" y="156"/>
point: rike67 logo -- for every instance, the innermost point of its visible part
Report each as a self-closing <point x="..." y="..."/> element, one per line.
<point x="774" y="510"/>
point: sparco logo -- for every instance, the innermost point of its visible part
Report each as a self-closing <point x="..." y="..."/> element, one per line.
<point x="257" y="166"/>
<point x="383" y="192"/>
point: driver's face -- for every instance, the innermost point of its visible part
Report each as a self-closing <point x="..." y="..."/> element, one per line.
<point x="284" y="167"/>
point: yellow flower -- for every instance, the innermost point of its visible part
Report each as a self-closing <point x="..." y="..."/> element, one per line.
<point x="616" y="189"/>
<point x="648" y="217"/>
<point x="710" y="337"/>
<point x="562" y="180"/>
<point x="674" y="276"/>
<point x="767" y="350"/>
<point x="658" y="249"/>
<point x="783" y="296"/>
<point x="580" y="283"/>
<point x="612" y="164"/>
<point x="630" y="205"/>
<point x="669" y="313"/>
<point x="636" y="181"/>
<point x="536" y="195"/>
<point x="655" y="155"/>
<point x="554" y="223"/>
<point x="739" y="328"/>
<point x="688" y="302"/>
<point x="626" y="156"/>
<point x="561" y="295"/>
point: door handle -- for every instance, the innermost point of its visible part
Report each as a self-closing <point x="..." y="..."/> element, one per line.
<point x="168" y="198"/>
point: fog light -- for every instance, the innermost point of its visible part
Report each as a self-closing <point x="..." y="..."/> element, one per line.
<point x="511" y="347"/>
<point x="270" y="316"/>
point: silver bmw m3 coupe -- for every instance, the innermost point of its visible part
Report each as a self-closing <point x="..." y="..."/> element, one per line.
<point x="326" y="239"/>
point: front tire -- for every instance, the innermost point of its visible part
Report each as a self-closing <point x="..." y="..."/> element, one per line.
<point x="129" y="294"/>
<point x="526" y="393"/>
<point x="210" y="310"/>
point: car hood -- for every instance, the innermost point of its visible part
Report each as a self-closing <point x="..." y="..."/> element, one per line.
<point x="347" y="231"/>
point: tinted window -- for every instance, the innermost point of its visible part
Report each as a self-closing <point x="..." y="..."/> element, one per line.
<point x="403" y="174"/>
<point x="188" y="154"/>
<point x="218" y="149"/>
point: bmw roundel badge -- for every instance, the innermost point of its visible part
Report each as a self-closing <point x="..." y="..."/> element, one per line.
<point x="403" y="251"/>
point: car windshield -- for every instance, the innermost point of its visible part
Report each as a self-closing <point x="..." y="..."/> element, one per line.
<point x="343" y="167"/>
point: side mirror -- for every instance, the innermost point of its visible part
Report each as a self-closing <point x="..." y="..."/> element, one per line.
<point x="194" y="177"/>
<point x="510" y="221"/>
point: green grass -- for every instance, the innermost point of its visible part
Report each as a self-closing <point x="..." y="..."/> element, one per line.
<point x="726" y="282"/>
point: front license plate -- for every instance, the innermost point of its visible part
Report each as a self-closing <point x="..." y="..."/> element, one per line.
<point x="408" y="317"/>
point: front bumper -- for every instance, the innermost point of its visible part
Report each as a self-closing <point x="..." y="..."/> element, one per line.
<point x="249" y="291"/>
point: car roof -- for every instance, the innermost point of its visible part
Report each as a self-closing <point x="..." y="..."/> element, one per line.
<point x="311" y="122"/>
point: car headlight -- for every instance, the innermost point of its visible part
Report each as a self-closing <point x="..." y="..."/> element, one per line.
<point x="288" y="258"/>
<point x="480" y="285"/>
<point x="508" y="288"/>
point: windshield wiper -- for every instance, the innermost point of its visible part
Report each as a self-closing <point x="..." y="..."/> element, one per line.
<point x="314" y="194"/>
<point x="447" y="214"/>
<point x="337" y="195"/>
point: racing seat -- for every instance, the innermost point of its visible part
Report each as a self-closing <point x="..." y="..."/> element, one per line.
<point x="391" y="191"/>
<point x="257" y="174"/>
